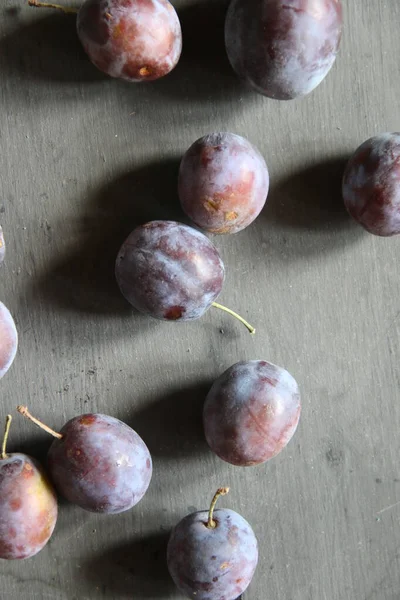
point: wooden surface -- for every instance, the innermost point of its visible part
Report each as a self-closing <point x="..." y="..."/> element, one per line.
<point x="83" y="159"/>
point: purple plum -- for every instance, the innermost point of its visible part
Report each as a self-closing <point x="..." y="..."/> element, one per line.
<point x="251" y="412"/>
<point x="28" y="505"/>
<point x="8" y="340"/>
<point x="98" y="463"/>
<point x="223" y="183"/>
<point x="135" y="40"/>
<point x="169" y="271"/>
<point x="371" y="185"/>
<point x="283" y="48"/>
<point x="212" y="555"/>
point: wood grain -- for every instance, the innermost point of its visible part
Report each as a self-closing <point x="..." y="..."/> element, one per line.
<point x="84" y="158"/>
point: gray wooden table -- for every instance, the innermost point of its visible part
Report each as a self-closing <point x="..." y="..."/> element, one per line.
<point x="85" y="158"/>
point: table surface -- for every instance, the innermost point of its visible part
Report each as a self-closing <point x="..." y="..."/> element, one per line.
<point x="84" y="159"/>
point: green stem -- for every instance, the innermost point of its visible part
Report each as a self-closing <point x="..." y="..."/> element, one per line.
<point x="231" y="312"/>
<point x="211" y="524"/>
<point x="5" y="438"/>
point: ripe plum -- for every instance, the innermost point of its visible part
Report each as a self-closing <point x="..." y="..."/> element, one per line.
<point x="212" y="554"/>
<point x="223" y="183"/>
<point x="283" y="48"/>
<point x="98" y="462"/>
<point x="251" y="412"/>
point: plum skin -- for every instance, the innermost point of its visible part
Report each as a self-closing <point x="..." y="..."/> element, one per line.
<point x="2" y="246"/>
<point x="169" y="271"/>
<point x="283" y="48"/>
<point x="28" y="507"/>
<point x="100" y="464"/>
<point x="251" y="412"/>
<point x="371" y="185"/>
<point x="135" y="40"/>
<point x="8" y="340"/>
<point x="211" y="564"/>
<point x="223" y="183"/>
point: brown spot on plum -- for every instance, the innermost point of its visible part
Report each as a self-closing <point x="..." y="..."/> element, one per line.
<point x="213" y="558"/>
<point x="211" y="205"/>
<point x="231" y="215"/>
<point x="239" y="580"/>
<point x="144" y="72"/>
<point x="174" y="313"/>
<point x="87" y="420"/>
<point x="15" y="504"/>
<point x="215" y="579"/>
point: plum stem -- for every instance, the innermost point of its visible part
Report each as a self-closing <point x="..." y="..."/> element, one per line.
<point x="211" y="524"/>
<point x="69" y="10"/>
<point x="5" y="438"/>
<point x="23" y="410"/>
<point x="231" y="312"/>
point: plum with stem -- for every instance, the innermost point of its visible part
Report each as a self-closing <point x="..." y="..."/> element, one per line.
<point x="171" y="272"/>
<point x="28" y="504"/>
<point x="98" y="462"/>
<point x="212" y="554"/>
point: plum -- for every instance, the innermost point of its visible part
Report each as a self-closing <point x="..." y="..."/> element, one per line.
<point x="171" y="271"/>
<point x="283" y="48"/>
<point x="223" y="183"/>
<point x="212" y="555"/>
<point x="2" y="246"/>
<point x="136" y="40"/>
<point x="8" y="340"/>
<point x="28" y="505"/>
<point x="371" y="185"/>
<point x="251" y="412"/>
<point x="98" y="462"/>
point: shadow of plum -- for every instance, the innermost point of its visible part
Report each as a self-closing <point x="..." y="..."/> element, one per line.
<point x="137" y="569"/>
<point x="305" y="214"/>
<point x="84" y="278"/>
<point x="173" y="424"/>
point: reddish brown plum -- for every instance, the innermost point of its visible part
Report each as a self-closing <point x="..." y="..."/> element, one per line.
<point x="2" y="246"/>
<point x="8" y="340"/>
<point x="283" y="48"/>
<point x="251" y="412"/>
<point x="169" y="271"/>
<point x="223" y="183"/>
<point x="98" y="462"/>
<point x="135" y="40"/>
<point x="212" y="562"/>
<point x="28" y="507"/>
<point x="371" y="185"/>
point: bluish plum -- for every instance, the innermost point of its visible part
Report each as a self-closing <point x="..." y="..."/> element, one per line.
<point x="28" y="505"/>
<point x="212" y="555"/>
<point x="251" y="412"/>
<point x="169" y="271"/>
<point x="8" y="340"/>
<point x="2" y="246"/>
<point x="223" y="183"/>
<point x="371" y="185"/>
<point x="98" y="463"/>
<point x="283" y="48"/>
<point x="135" y="40"/>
